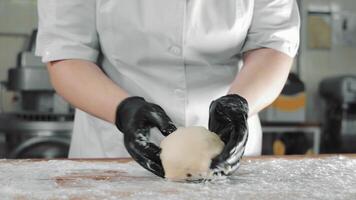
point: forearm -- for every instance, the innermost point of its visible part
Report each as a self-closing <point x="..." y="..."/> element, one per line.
<point x="262" y="78"/>
<point x="86" y="87"/>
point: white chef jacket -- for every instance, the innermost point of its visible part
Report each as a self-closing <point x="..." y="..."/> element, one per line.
<point x="179" y="54"/>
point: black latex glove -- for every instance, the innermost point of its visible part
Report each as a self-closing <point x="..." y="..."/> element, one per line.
<point x="228" y="119"/>
<point x="134" y="118"/>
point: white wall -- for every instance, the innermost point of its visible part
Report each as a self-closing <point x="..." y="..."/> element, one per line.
<point x="318" y="64"/>
<point x="17" y="19"/>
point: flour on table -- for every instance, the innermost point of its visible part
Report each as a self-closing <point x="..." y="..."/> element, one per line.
<point x="278" y="179"/>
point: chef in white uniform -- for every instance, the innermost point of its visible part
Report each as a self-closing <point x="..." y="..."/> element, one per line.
<point x="178" y="54"/>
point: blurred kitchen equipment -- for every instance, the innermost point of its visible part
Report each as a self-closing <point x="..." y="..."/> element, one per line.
<point x="285" y="129"/>
<point x="290" y="105"/>
<point x="286" y="138"/>
<point x="339" y="126"/>
<point x="288" y="143"/>
<point x="31" y="79"/>
<point x="41" y="127"/>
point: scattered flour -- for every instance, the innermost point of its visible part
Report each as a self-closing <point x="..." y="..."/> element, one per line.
<point x="329" y="178"/>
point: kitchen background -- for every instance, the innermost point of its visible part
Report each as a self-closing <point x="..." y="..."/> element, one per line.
<point x="307" y="124"/>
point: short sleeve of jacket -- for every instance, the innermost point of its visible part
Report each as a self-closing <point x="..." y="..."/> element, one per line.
<point x="276" y="25"/>
<point x="67" y="30"/>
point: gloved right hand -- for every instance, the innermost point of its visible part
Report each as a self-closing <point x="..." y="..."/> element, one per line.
<point x="228" y="119"/>
<point x="134" y="118"/>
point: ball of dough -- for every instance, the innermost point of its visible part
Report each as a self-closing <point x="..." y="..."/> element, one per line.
<point x="187" y="153"/>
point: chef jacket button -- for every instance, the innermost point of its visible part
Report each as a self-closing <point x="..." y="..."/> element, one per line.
<point x="176" y="50"/>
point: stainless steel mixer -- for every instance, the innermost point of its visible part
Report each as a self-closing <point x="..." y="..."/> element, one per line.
<point x="42" y="126"/>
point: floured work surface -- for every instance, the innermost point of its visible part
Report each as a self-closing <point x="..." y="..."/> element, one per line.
<point x="274" y="178"/>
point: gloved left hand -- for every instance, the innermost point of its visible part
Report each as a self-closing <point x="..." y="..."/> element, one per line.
<point x="228" y="119"/>
<point x="134" y="118"/>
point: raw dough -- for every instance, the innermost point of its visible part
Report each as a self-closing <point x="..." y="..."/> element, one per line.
<point x="187" y="153"/>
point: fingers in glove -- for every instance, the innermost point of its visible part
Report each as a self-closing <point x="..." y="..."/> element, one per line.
<point x="216" y="114"/>
<point x="142" y="144"/>
<point x="232" y="151"/>
<point x="224" y="133"/>
<point x="146" y="154"/>
<point x="237" y="141"/>
<point x="158" y="118"/>
<point x="218" y="120"/>
<point x="226" y="170"/>
<point x="154" y="167"/>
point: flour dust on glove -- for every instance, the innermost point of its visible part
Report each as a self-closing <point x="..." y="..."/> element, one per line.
<point x="134" y="118"/>
<point x="228" y="119"/>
